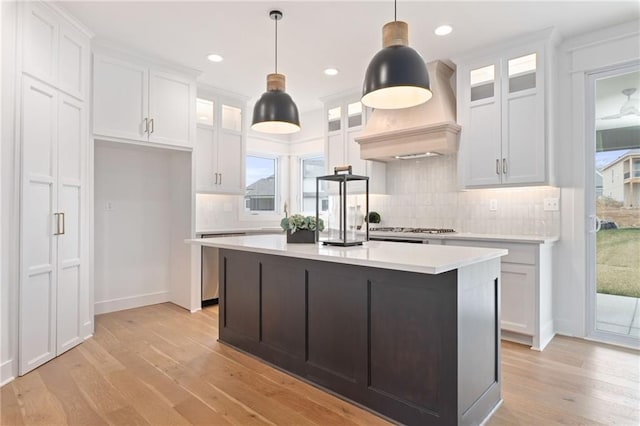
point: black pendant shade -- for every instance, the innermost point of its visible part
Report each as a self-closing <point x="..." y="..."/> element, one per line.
<point x="275" y="111"/>
<point x="397" y="76"/>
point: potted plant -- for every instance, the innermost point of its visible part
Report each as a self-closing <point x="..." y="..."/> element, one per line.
<point x="301" y="229"/>
<point x="374" y="217"/>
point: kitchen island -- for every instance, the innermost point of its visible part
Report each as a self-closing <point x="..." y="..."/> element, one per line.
<point x="409" y="331"/>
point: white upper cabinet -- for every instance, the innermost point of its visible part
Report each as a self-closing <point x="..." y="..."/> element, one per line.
<point x="345" y="120"/>
<point x="501" y="108"/>
<point x="220" y="145"/>
<point x="134" y="101"/>
<point x="40" y="38"/>
<point x="53" y="50"/>
<point x="120" y="99"/>
<point x="171" y="108"/>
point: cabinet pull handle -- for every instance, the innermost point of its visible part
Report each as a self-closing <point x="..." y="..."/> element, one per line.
<point x="153" y="127"/>
<point x="504" y="166"/>
<point x="220" y="178"/>
<point x="146" y="125"/>
<point x="59" y="223"/>
<point x="497" y="166"/>
<point x="216" y="178"/>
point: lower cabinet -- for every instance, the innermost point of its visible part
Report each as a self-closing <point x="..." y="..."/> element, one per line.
<point x="518" y="297"/>
<point x="526" y="293"/>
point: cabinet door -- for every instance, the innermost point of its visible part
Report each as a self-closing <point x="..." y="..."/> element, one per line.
<point x="37" y="310"/>
<point x="72" y="283"/>
<point x="523" y="124"/>
<point x="205" y="157"/>
<point x="518" y="288"/>
<point x="171" y="109"/>
<point x="120" y="96"/>
<point x="335" y="151"/>
<point x="40" y="41"/>
<point x="480" y="137"/>
<point x="230" y="163"/>
<point x="353" y="153"/>
<point x="73" y="61"/>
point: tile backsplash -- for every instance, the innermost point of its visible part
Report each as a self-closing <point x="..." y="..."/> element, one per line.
<point x="214" y="211"/>
<point x="424" y="193"/>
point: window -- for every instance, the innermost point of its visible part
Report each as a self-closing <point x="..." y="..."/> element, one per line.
<point x="261" y="181"/>
<point x="312" y="168"/>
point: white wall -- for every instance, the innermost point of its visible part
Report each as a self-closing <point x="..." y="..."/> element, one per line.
<point x="135" y="222"/>
<point x="597" y="50"/>
<point x="9" y="201"/>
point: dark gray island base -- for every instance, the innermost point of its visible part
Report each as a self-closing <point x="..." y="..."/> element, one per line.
<point x="418" y="348"/>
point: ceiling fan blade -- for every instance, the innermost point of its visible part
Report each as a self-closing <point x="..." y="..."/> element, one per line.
<point x="611" y="117"/>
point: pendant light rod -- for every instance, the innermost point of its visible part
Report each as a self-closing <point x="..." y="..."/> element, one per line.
<point x="276" y="15"/>
<point x="395" y="10"/>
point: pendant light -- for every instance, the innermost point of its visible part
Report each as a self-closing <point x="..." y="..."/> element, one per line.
<point x="275" y="111"/>
<point x="397" y="76"/>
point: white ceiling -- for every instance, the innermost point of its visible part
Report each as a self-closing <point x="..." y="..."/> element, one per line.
<point x="316" y="35"/>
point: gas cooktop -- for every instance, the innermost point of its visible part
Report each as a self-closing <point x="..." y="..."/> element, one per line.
<point x="413" y="230"/>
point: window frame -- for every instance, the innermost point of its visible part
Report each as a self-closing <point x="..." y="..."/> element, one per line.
<point x="263" y="215"/>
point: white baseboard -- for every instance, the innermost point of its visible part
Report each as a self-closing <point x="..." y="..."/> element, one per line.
<point x="130" y="302"/>
<point x="547" y="333"/>
<point x="7" y="374"/>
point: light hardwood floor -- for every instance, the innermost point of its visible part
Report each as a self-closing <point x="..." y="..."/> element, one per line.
<point x="162" y="365"/>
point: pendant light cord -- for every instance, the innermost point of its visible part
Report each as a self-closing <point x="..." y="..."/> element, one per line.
<point x="276" y="45"/>
<point x="395" y="10"/>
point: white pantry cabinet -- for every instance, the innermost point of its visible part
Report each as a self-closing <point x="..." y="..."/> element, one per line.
<point x="503" y="109"/>
<point x="53" y="50"/>
<point x="526" y="291"/>
<point x="220" y="144"/>
<point x="135" y="101"/>
<point x="55" y="306"/>
<point x="345" y="119"/>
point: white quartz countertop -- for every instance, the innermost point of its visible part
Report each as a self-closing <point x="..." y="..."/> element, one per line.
<point x="422" y="258"/>
<point x="528" y="239"/>
<point x="264" y="230"/>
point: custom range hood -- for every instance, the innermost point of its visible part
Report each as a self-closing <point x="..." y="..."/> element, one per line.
<point x="425" y="130"/>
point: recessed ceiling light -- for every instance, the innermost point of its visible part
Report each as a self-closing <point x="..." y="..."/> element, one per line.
<point x="331" y="71"/>
<point x="215" y="58"/>
<point x="443" y="30"/>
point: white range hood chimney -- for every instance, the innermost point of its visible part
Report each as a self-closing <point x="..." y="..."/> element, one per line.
<point x="425" y="130"/>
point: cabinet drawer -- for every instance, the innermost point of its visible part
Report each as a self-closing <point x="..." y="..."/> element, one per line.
<point x="518" y="253"/>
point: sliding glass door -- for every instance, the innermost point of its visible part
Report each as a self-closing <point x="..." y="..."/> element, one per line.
<point x="613" y="201"/>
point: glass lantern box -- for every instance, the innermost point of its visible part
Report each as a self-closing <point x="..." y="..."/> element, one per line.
<point x="344" y="213"/>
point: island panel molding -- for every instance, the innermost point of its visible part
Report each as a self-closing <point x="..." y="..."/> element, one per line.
<point x="403" y="344"/>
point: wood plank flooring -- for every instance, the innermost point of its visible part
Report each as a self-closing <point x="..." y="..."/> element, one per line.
<point x="161" y="365"/>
